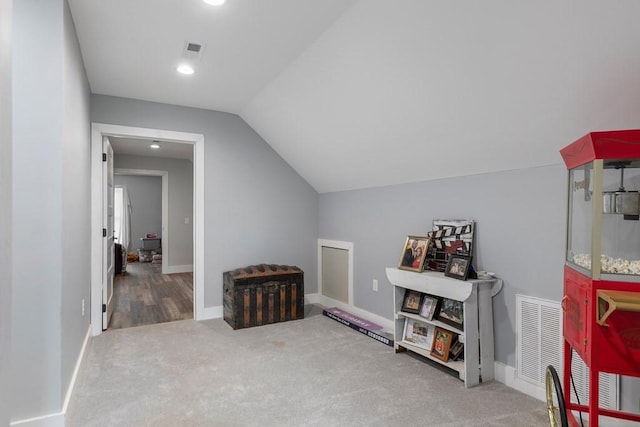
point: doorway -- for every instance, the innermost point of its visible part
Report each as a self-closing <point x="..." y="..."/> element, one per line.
<point x="100" y="130"/>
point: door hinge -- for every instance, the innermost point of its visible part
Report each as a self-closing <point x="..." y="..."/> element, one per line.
<point x="104" y="232"/>
<point x="104" y="308"/>
<point x="104" y="157"/>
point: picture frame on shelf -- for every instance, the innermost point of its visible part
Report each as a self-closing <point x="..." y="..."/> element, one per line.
<point x="456" y="351"/>
<point x="452" y="313"/>
<point x="429" y="306"/>
<point x="418" y="334"/>
<point x="412" y="301"/>
<point x="442" y="340"/>
<point x="458" y="267"/>
<point x="413" y="253"/>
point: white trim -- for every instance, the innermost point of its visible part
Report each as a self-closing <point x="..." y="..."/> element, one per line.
<point x="97" y="131"/>
<point x="49" y="420"/>
<point x="215" y="312"/>
<point x="171" y="269"/>
<point x="57" y="419"/>
<point x="506" y="374"/>
<point x="72" y="383"/>
<point x="386" y="324"/>
<point x="165" y="208"/>
<point x="348" y="246"/>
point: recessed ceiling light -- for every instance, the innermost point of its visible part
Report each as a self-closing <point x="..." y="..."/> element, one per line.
<point x="154" y="146"/>
<point x="214" y="2"/>
<point x="185" y="69"/>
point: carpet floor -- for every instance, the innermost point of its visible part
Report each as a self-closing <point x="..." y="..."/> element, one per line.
<point x="310" y="372"/>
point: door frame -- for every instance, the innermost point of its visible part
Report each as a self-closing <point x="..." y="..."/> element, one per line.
<point x="348" y="246"/>
<point x="165" y="207"/>
<point x="98" y="130"/>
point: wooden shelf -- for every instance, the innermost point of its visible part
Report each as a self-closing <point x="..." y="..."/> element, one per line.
<point x="610" y="301"/>
<point x="477" y="333"/>
<point x="431" y="322"/>
<point x="457" y="366"/>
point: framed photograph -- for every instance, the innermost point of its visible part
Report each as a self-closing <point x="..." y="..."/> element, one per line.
<point x="452" y="313"/>
<point x="442" y="340"/>
<point x="458" y="267"/>
<point x="456" y="351"/>
<point x="414" y="252"/>
<point x="418" y="333"/>
<point x="411" y="302"/>
<point x="429" y="306"/>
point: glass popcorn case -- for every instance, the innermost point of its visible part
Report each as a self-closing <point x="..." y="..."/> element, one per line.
<point x="601" y="302"/>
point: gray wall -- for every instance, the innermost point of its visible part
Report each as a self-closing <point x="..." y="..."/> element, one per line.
<point x="145" y="194"/>
<point x="180" y="183"/>
<point x="50" y="206"/>
<point x="520" y="234"/>
<point x="257" y="208"/>
<point x="6" y="18"/>
<point x="76" y="203"/>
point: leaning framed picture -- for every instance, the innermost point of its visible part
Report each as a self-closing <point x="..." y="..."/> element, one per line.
<point x="458" y="267"/>
<point x="442" y="340"/>
<point x="413" y="253"/>
<point x="418" y="333"/>
<point x="429" y="306"/>
<point x="452" y="313"/>
<point x="411" y="302"/>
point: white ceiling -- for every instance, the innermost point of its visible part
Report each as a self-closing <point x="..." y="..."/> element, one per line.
<point x="141" y="147"/>
<point x="356" y="94"/>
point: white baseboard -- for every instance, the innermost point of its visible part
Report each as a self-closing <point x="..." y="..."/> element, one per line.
<point x="58" y="419"/>
<point x="386" y="324"/>
<point x="215" y="312"/>
<point x="507" y="375"/>
<point x="172" y="269"/>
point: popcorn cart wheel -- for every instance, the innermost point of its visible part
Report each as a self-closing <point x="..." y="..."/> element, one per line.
<point x="555" y="399"/>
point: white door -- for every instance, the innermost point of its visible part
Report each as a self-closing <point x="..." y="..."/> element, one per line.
<point x="108" y="247"/>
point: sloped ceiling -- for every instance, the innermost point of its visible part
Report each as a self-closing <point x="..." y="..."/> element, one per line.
<point x="384" y="92"/>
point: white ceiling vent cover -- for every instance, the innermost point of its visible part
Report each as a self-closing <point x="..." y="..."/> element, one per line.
<point x="192" y="51"/>
<point x="540" y="343"/>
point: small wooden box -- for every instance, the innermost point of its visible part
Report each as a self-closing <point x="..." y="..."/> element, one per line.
<point x="262" y="294"/>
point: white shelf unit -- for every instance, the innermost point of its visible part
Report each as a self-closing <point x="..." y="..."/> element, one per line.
<point x="478" y="363"/>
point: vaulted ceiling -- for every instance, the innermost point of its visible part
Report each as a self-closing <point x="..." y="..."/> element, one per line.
<point x="355" y="94"/>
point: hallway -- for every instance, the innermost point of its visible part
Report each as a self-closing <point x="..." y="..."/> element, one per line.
<point x="144" y="296"/>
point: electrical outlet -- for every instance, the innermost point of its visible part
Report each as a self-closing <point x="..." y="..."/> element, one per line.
<point x="82" y="307"/>
<point x="375" y="285"/>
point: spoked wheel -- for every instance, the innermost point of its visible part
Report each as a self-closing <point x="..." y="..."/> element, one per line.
<point x="555" y="399"/>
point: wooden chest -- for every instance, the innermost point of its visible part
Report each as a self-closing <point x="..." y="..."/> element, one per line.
<point x="262" y="294"/>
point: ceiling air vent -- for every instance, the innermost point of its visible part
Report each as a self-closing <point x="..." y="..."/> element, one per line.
<point x="192" y="51"/>
<point x="193" y="47"/>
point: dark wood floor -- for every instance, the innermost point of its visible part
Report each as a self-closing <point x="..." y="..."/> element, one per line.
<point x="144" y="296"/>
